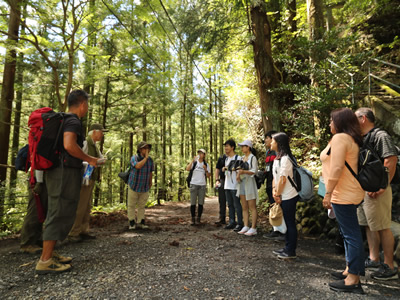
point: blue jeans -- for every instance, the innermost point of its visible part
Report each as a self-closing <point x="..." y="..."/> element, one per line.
<point x="289" y="214"/>
<point x="346" y="215"/>
<point x="235" y="208"/>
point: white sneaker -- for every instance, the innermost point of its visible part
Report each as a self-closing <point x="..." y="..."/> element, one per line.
<point x="251" y="232"/>
<point x="244" y="230"/>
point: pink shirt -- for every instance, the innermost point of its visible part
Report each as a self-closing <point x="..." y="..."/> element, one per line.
<point x="347" y="190"/>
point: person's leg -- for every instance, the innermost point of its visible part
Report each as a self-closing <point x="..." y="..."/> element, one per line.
<point x="253" y="208"/>
<point x="269" y="193"/>
<point x="86" y="218"/>
<point x="373" y="244"/>
<point x="201" y="197"/>
<point x="84" y="202"/>
<point x="346" y="216"/>
<point x="222" y="203"/>
<point x="48" y="248"/>
<point x="31" y="231"/>
<point x="142" y="201"/>
<point x="387" y="240"/>
<point x="193" y="200"/>
<point x="289" y="214"/>
<point x="131" y="207"/>
<point x="230" y="194"/>
<point x="245" y="209"/>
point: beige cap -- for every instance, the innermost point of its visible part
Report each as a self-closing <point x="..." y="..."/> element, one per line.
<point x="201" y="150"/>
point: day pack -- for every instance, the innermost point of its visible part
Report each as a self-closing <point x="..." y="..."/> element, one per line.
<point x="396" y="177"/>
<point x="189" y="178"/>
<point x="45" y="141"/>
<point x="21" y="161"/>
<point x="302" y="181"/>
<point x="372" y="174"/>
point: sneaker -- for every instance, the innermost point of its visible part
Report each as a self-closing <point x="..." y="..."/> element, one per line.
<point x="385" y="273"/>
<point x="371" y="264"/>
<point x="251" y="232"/>
<point x="338" y="275"/>
<point x="238" y="228"/>
<point x="132" y="225"/>
<point x="51" y="266"/>
<point x="61" y="259"/>
<point x="244" y="230"/>
<point x="339" y="286"/>
<point x="230" y="226"/>
<point x="87" y="236"/>
<point x="220" y="222"/>
<point x="285" y="255"/>
<point x="279" y="251"/>
<point x="275" y="235"/>
<point x="31" y="249"/>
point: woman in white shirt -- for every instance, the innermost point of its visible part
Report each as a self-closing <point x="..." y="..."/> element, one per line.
<point x="284" y="193"/>
<point x="247" y="189"/>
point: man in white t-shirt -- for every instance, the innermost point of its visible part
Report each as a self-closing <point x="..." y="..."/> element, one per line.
<point x="235" y="208"/>
<point x="198" y="183"/>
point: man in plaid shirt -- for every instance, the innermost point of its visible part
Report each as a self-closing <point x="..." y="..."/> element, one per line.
<point x="140" y="182"/>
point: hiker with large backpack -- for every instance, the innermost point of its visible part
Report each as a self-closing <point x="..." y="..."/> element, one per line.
<point x="284" y="193"/>
<point x="376" y="211"/>
<point x="199" y="171"/>
<point x="63" y="183"/>
<point x="343" y="193"/>
<point x="247" y="188"/>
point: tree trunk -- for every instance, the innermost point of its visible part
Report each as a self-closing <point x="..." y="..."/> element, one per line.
<point x="266" y="74"/>
<point x="211" y="126"/>
<point x="221" y="121"/>
<point x="144" y="123"/>
<point x="7" y="92"/>
<point x="292" y="15"/>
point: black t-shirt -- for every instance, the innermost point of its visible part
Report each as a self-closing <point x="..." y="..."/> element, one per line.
<point x="220" y="165"/>
<point x="72" y="124"/>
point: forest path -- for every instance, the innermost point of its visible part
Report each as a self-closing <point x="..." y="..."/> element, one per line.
<point x="173" y="260"/>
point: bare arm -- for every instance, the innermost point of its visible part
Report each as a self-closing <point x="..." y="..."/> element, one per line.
<point x="73" y="149"/>
<point x="216" y="174"/>
<point x="278" y="189"/>
<point x="141" y="163"/>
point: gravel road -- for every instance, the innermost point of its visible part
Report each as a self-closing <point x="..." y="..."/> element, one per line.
<point x="173" y="260"/>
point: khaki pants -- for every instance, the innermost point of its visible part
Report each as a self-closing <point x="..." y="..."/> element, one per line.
<point x="138" y="200"/>
<point x="82" y="219"/>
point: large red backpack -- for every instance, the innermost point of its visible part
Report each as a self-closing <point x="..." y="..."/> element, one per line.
<point x="45" y="143"/>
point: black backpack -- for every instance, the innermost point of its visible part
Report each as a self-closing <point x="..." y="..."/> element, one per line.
<point x="189" y="178"/>
<point x="372" y="174"/>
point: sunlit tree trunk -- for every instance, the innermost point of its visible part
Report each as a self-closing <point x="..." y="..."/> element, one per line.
<point x="7" y="92"/>
<point x="266" y="74"/>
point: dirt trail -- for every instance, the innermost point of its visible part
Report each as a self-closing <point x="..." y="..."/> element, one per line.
<point x="173" y="260"/>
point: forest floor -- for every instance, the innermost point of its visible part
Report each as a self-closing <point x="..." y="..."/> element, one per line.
<point x="173" y="260"/>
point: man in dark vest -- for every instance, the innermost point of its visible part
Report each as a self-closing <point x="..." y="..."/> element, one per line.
<point x="80" y="229"/>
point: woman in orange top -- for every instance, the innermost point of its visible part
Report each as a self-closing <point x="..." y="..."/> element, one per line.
<point x="344" y="193"/>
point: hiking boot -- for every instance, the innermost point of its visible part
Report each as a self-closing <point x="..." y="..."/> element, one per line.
<point x="385" y="273"/>
<point x="339" y="286"/>
<point x="285" y="255"/>
<point x="74" y="239"/>
<point x="132" y="225"/>
<point x="372" y="265"/>
<point x="193" y="221"/>
<point x="87" y="236"/>
<point x="198" y="220"/>
<point x="31" y="249"/>
<point x="220" y="222"/>
<point x="230" y="226"/>
<point x="51" y="267"/>
<point x="143" y="225"/>
<point x="61" y="259"/>
<point x="279" y="251"/>
<point x="238" y="228"/>
<point x="275" y="235"/>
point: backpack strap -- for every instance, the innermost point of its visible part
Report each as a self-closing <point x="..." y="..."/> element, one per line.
<point x="345" y="163"/>
<point x="291" y="180"/>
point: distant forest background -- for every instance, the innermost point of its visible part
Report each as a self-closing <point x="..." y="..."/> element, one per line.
<point x="184" y="75"/>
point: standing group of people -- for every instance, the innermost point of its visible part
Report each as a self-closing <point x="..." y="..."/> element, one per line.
<point x="67" y="203"/>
